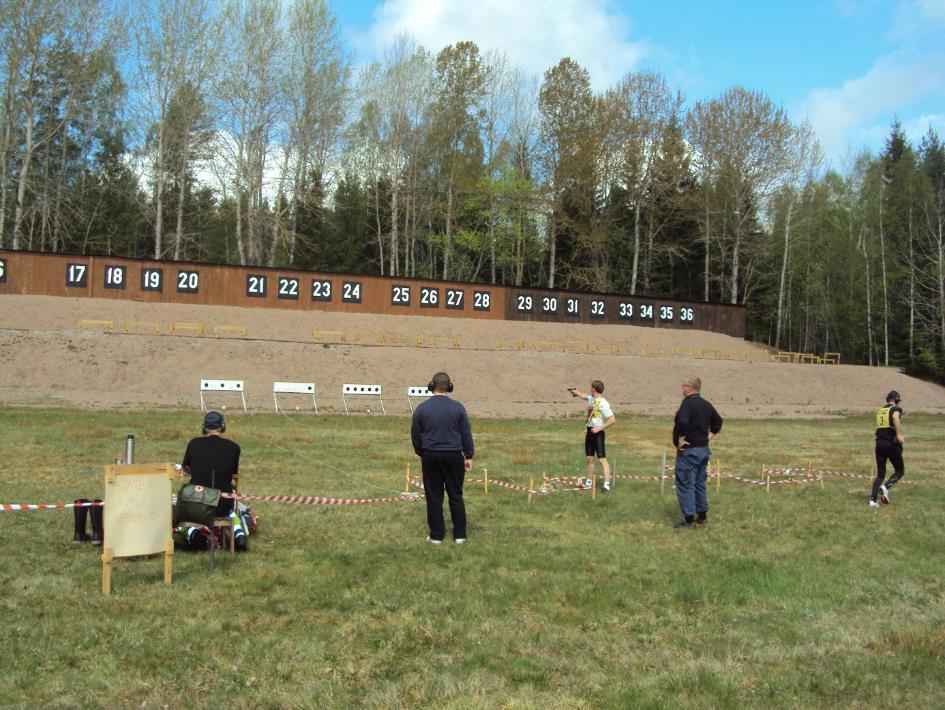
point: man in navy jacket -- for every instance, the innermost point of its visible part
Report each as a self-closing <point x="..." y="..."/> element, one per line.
<point x="442" y="438"/>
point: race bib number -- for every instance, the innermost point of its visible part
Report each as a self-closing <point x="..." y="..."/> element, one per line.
<point x="882" y="418"/>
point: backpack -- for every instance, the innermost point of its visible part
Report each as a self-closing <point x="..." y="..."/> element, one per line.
<point x="196" y="504"/>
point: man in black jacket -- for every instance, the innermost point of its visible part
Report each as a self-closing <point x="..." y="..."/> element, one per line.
<point x="442" y="438"/>
<point x="213" y="461"/>
<point x="696" y="424"/>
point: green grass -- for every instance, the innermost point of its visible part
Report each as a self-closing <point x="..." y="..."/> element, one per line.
<point x="801" y="598"/>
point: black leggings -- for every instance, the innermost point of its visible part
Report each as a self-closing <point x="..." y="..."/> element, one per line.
<point x="887" y="451"/>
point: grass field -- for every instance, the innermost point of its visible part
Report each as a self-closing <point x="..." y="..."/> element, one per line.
<point x="804" y="597"/>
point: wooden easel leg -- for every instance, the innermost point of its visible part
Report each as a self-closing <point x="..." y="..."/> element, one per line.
<point x="168" y="561"/>
<point x="107" y="571"/>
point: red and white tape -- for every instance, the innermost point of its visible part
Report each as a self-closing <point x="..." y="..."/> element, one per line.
<point x="292" y="500"/>
<point x="48" y="506"/>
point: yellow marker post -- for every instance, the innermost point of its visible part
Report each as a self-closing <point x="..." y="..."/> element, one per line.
<point x="594" y="487"/>
<point x="531" y="487"/>
<point x="768" y="484"/>
<point x="485" y="481"/>
<point x="407" y="480"/>
<point x="718" y="476"/>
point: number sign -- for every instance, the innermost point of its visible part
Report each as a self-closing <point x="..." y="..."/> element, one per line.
<point x="152" y="280"/>
<point x="288" y="288"/>
<point x="188" y="281"/>
<point x="429" y="297"/>
<point x="77" y="275"/>
<point x="351" y="292"/>
<point x="256" y="285"/>
<point x="321" y="290"/>
<point x="400" y="295"/>
<point x="455" y="298"/>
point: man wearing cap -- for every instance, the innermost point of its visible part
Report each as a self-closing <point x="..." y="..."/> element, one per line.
<point x="212" y="461"/>
<point x="889" y="441"/>
<point x="442" y="438"/>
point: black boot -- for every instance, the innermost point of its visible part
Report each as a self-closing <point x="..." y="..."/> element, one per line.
<point x="97" y="513"/>
<point x="81" y="514"/>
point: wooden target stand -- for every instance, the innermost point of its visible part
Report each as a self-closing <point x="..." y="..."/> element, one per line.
<point x="138" y="515"/>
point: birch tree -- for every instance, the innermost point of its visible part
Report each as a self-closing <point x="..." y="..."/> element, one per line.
<point x="252" y="107"/>
<point x="640" y="107"/>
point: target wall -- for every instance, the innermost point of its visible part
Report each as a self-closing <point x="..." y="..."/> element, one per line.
<point x="46" y="274"/>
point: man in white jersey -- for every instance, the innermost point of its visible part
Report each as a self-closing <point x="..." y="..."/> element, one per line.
<point x="599" y="417"/>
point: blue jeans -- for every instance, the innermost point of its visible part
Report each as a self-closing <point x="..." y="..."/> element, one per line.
<point x="691" y="467"/>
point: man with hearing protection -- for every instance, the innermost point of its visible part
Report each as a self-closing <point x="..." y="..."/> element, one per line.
<point x="212" y="461"/>
<point x="442" y="438"/>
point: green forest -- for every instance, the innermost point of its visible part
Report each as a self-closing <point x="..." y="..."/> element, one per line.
<point x="242" y="131"/>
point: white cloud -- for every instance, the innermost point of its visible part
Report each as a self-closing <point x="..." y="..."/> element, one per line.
<point x="854" y="112"/>
<point x="535" y="34"/>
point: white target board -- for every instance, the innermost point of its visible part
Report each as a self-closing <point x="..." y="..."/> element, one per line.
<point x="418" y="392"/>
<point x="351" y="391"/>
<point x="306" y="389"/>
<point x="221" y="386"/>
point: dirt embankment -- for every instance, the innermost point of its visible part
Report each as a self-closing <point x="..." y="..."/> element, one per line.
<point x="46" y="357"/>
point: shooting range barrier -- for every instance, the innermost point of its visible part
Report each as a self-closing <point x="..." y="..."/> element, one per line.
<point x="142" y="326"/>
<point x="221" y="386"/>
<point x="306" y="389"/>
<point x="106" y="326"/>
<point x="229" y="331"/>
<point x="186" y="328"/>
<point x="349" y="391"/>
<point x="418" y="393"/>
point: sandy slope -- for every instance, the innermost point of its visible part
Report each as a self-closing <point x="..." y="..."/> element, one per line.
<point x="46" y="359"/>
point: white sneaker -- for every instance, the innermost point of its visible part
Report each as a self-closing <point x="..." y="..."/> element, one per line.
<point x="874" y="504"/>
<point x="434" y="542"/>
<point x="460" y="540"/>
<point x="606" y="488"/>
<point x="884" y="494"/>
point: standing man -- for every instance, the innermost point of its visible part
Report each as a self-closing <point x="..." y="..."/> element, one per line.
<point x="696" y="424"/>
<point x="599" y="416"/>
<point x="889" y="441"/>
<point x="442" y="438"/>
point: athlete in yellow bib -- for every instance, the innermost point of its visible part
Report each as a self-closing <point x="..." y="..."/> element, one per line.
<point x="889" y="441"/>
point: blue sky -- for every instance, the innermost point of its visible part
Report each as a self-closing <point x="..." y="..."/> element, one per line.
<point x="847" y="66"/>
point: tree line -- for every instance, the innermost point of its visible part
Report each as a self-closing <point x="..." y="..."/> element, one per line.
<point x="240" y="131"/>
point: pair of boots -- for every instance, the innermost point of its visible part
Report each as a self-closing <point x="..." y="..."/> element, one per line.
<point x="82" y="513"/>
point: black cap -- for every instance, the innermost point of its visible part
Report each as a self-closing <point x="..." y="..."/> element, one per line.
<point x="213" y="420"/>
<point x="893" y="396"/>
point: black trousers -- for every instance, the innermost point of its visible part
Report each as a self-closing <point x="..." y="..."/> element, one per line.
<point x="444" y="470"/>
<point x="887" y="451"/>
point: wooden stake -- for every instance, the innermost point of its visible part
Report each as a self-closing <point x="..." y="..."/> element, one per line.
<point x="107" y="571"/>
<point x="485" y="481"/>
<point x="531" y="487"/>
<point x="407" y="480"/>
<point x="718" y="475"/>
<point x="594" y="486"/>
<point x="663" y="473"/>
<point x="768" y="484"/>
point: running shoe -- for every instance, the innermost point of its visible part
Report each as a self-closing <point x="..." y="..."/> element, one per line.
<point x="884" y="494"/>
<point x="874" y="504"/>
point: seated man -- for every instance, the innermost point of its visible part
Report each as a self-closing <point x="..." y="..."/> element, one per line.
<point x="213" y="461"/>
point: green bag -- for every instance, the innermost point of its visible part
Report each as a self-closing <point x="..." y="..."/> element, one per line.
<point x="196" y="504"/>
